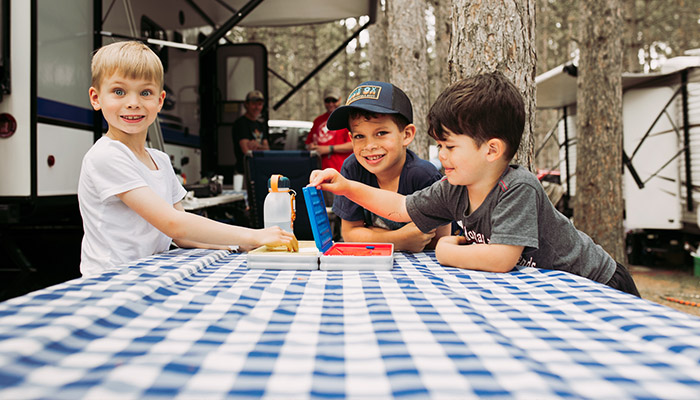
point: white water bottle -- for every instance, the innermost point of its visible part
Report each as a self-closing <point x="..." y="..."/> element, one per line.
<point x="279" y="207"/>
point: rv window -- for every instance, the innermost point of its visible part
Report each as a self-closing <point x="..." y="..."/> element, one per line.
<point x="239" y="71"/>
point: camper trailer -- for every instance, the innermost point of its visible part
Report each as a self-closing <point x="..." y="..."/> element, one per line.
<point x="47" y="123"/>
<point x="661" y="143"/>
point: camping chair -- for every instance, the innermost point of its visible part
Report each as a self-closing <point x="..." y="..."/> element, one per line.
<point x="295" y="165"/>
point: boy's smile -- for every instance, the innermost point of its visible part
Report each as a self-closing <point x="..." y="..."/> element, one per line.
<point x="379" y="145"/>
<point x="128" y="105"/>
<point x="374" y="159"/>
<point x="133" y="118"/>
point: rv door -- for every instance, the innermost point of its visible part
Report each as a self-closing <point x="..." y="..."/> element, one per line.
<point x="228" y="73"/>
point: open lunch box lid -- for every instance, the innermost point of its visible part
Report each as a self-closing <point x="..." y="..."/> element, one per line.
<point x="322" y="253"/>
<point x="321" y="229"/>
<point x="318" y="216"/>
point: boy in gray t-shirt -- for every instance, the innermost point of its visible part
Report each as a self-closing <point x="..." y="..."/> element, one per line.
<point x="507" y="218"/>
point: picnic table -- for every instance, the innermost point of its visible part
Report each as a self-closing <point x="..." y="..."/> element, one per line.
<point x="200" y="324"/>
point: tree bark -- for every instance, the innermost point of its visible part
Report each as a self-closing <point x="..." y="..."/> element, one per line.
<point x="408" y="62"/>
<point x="377" y="47"/>
<point x="598" y="207"/>
<point x="630" y="34"/>
<point x="543" y="14"/>
<point x="491" y="35"/>
<point x="443" y="33"/>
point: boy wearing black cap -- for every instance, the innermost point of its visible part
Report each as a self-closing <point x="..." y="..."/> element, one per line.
<point x="379" y="117"/>
<point x="507" y="218"/>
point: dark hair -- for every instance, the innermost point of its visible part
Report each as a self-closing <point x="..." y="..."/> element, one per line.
<point x="398" y="119"/>
<point x="482" y="107"/>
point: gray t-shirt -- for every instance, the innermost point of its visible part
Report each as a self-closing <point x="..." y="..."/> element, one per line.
<point x="516" y="212"/>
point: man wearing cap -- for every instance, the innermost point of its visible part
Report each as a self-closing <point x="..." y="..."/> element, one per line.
<point x="334" y="146"/>
<point x="249" y="132"/>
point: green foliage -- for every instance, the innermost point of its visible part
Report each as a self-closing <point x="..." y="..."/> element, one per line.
<point x="654" y="30"/>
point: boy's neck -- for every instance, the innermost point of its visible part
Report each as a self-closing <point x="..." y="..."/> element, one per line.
<point x="135" y="142"/>
<point x="478" y="191"/>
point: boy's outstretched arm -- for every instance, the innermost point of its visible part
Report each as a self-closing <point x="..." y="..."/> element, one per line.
<point x="385" y="203"/>
<point x="189" y="244"/>
<point x="191" y="229"/>
<point x="454" y="252"/>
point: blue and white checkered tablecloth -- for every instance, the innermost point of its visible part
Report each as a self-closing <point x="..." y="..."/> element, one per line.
<point x="198" y="324"/>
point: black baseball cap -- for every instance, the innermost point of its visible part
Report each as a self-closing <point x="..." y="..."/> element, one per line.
<point x="373" y="96"/>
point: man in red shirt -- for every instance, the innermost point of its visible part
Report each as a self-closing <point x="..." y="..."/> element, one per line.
<point x="333" y="146"/>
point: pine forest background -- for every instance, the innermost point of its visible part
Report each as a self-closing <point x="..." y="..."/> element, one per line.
<point x="653" y="30"/>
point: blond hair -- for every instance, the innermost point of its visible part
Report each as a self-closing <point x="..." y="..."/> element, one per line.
<point x="134" y="60"/>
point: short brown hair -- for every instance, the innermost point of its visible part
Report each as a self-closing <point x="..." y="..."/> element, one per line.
<point x="482" y="107"/>
<point x="132" y="59"/>
<point x="398" y="119"/>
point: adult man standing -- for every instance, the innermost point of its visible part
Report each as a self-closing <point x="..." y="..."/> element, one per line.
<point x="333" y="146"/>
<point x="249" y="132"/>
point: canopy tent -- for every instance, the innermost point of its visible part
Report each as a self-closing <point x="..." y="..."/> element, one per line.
<point x="120" y="19"/>
<point x="184" y="14"/>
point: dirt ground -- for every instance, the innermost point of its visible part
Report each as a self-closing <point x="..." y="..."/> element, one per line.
<point x="675" y="288"/>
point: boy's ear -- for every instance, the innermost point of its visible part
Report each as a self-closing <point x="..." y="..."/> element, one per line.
<point x="495" y="148"/>
<point x="409" y="133"/>
<point x="161" y="100"/>
<point x="94" y="98"/>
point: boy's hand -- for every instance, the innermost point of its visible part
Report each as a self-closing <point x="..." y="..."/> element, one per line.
<point x="453" y="240"/>
<point x="413" y="239"/>
<point x="328" y="179"/>
<point x="276" y="236"/>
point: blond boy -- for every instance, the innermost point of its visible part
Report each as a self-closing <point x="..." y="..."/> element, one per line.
<point x="128" y="194"/>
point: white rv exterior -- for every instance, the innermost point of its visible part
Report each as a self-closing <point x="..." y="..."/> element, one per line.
<point x="47" y="123"/>
<point x="661" y="113"/>
<point x="50" y="48"/>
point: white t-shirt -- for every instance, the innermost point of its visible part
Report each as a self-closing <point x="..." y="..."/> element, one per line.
<point x="114" y="233"/>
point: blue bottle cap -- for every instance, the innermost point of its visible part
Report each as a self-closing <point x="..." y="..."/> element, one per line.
<point x="320" y="225"/>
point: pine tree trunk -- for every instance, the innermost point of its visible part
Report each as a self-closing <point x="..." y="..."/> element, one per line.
<point x="408" y="62"/>
<point x="598" y="208"/>
<point x="443" y="33"/>
<point x="491" y="35"/>
<point x="542" y="48"/>
<point x="377" y="48"/>
<point x="631" y="42"/>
